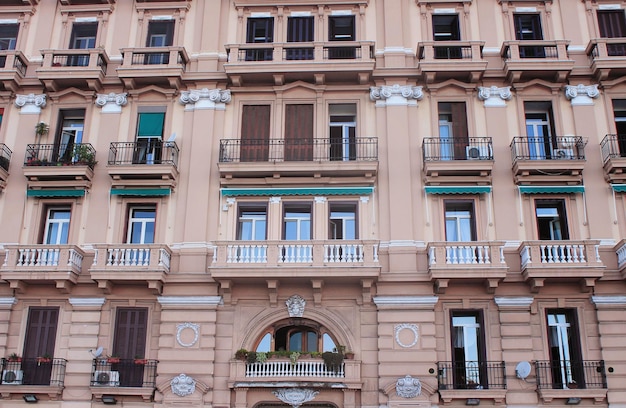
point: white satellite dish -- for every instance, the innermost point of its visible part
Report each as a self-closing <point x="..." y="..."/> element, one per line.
<point x="522" y="370"/>
<point x="98" y="352"/>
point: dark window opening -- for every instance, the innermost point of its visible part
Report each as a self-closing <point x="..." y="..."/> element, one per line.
<point x="160" y="34"/>
<point x="149" y="142"/>
<point x="446" y="28"/>
<point x="341" y="28"/>
<point x="564" y="343"/>
<point x="469" y="352"/>
<point x="39" y="341"/>
<point x="528" y="27"/>
<point x="300" y="29"/>
<point x="619" y="113"/>
<point x="260" y="30"/>
<point x="129" y="342"/>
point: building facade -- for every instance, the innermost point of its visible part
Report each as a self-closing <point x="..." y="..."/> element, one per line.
<point x="342" y="203"/>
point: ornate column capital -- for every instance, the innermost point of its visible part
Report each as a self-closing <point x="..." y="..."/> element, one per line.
<point x="205" y="99"/>
<point x="31" y="103"/>
<point x="111" y="102"/>
<point x="494" y="96"/>
<point x="581" y="94"/>
<point x="399" y="95"/>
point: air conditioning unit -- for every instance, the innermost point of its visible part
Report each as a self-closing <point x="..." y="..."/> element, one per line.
<point x="562" y="154"/>
<point x="106" y="378"/>
<point x="12" y="377"/>
<point x="482" y="152"/>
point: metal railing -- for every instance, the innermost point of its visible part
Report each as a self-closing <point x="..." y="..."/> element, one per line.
<point x="568" y="374"/>
<point x="548" y="148"/>
<point x="613" y="146"/>
<point x="13" y="59"/>
<point x="450" y="50"/>
<point x="606" y="47"/>
<point x="301" y="51"/>
<point x="73" y="154"/>
<point x="115" y="372"/>
<point x="33" y="371"/>
<point x="535" y="49"/>
<point x="5" y="156"/>
<point x="316" y="149"/>
<point x="472" y="148"/>
<point x="173" y="56"/>
<point x="149" y="151"/>
<point x="76" y="59"/>
<point x="471" y="375"/>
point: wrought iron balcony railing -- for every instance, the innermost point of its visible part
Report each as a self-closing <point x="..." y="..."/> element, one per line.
<point x="568" y="374"/>
<point x="87" y="58"/>
<point x="600" y="48"/>
<point x="147" y="151"/>
<point x="33" y="371"/>
<point x="548" y="148"/>
<point x="5" y="156"/>
<point x="613" y="147"/>
<point x="471" y="375"/>
<point x="301" y="51"/>
<point x="450" y="50"/>
<point x="472" y="148"/>
<point x="535" y="49"/>
<point x="116" y="372"/>
<point x="170" y="56"/>
<point x="281" y="150"/>
<point x="73" y="154"/>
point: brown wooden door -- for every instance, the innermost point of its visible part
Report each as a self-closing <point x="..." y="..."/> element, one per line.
<point x="459" y="129"/>
<point x="299" y="132"/>
<point x="41" y="331"/>
<point x="129" y="342"/>
<point x="255" y="133"/>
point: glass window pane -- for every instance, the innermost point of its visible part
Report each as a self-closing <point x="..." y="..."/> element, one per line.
<point x="265" y="343"/>
<point x="295" y="341"/>
<point x="327" y="343"/>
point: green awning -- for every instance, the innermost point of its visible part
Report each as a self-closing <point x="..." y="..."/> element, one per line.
<point x="304" y="191"/>
<point x="141" y="192"/>
<point x="56" y="193"/>
<point x="619" y="188"/>
<point x="150" y="124"/>
<point x="457" y="189"/>
<point x="551" y="189"/>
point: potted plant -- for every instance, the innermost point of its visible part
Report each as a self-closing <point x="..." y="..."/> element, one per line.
<point x="241" y="354"/>
<point x="46" y="358"/>
<point x="84" y="155"/>
<point x="251" y="357"/>
<point x="41" y="129"/>
<point x="14" y="358"/>
<point x="140" y="360"/>
<point x="293" y="357"/>
<point x="333" y="360"/>
<point x="261" y="357"/>
<point x="113" y="359"/>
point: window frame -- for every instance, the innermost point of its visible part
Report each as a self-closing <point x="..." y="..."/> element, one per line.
<point x="575" y="349"/>
<point x="130" y="223"/>
<point x="471" y="203"/>
<point x="562" y="215"/>
<point x="47" y="222"/>
<point x="251" y="207"/>
<point x="17" y="33"/>
<point x="297" y="207"/>
<point x="481" y="349"/>
<point x="289" y="326"/>
<point x="355" y="219"/>
<point x="455" y="32"/>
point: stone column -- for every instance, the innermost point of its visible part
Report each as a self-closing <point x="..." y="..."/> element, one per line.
<point x="6" y="305"/>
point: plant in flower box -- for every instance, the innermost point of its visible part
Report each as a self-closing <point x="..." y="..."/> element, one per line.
<point x="14" y="358"/>
<point x="140" y="360"/>
<point x="113" y="359"/>
<point x="46" y="358"/>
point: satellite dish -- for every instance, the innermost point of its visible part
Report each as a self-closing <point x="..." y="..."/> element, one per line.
<point x="522" y="370"/>
<point x="98" y="352"/>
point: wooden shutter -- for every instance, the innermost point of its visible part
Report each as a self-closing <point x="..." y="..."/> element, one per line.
<point x="298" y="132"/>
<point x="255" y="133"/>
<point x="300" y="29"/>
<point x="41" y="331"/>
<point x="459" y="129"/>
<point x="131" y="327"/>
<point x="612" y="24"/>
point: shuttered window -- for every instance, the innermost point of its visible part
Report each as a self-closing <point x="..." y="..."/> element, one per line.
<point x="255" y="133"/>
<point x="298" y="132"/>
<point x="40" y="337"/>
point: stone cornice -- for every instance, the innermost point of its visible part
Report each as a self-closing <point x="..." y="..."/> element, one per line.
<point x="190" y="300"/>
<point x="513" y="302"/>
<point x="412" y="302"/>
<point x="7" y="302"/>
<point x="87" y="302"/>
<point x="609" y="301"/>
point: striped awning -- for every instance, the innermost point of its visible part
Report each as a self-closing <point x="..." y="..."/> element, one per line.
<point x="619" y="188"/>
<point x="56" y="193"/>
<point x="141" y="192"/>
<point x="457" y="189"/>
<point x="551" y="189"/>
<point x="297" y="191"/>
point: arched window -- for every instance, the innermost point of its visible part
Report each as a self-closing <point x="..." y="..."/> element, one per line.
<point x="305" y="336"/>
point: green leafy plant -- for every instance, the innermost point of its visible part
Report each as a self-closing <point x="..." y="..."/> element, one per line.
<point x="42" y="128"/>
<point x="333" y="361"/>
<point x="83" y="154"/>
<point x="251" y="357"/>
<point x="13" y="357"/>
<point x="241" y="354"/>
<point x="293" y="357"/>
<point x="261" y="357"/>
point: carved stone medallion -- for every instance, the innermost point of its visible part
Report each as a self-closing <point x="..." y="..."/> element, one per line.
<point x="295" y="306"/>
<point x="183" y="385"/>
<point x="408" y="387"/>
<point x="196" y="333"/>
<point x="295" y="396"/>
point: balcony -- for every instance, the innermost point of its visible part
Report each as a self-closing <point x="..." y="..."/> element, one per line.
<point x="317" y="62"/>
<point x="458" y="160"/>
<point x="557" y="159"/>
<point x="33" y="376"/>
<point x="131" y="264"/>
<point x="607" y="57"/>
<point x="145" y="163"/>
<point x="13" y="66"/>
<point x="558" y="261"/>
<point x="471" y="380"/>
<point x="299" y="260"/>
<point x="277" y="158"/>
<point x="614" y="158"/>
<point x="530" y="59"/>
<point x="128" y="377"/>
<point x="80" y="68"/>
<point x="161" y="66"/>
<point x="572" y="381"/>
<point x="276" y="372"/>
<point x="443" y="60"/>
<point x="5" y="161"/>
<point x="41" y="264"/>
<point x="466" y="262"/>
<point x="59" y="165"/>
<point x="620" y="250"/>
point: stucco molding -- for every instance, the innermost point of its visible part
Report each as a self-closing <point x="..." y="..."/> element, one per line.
<point x="189" y="300"/>
<point x="205" y="99"/>
<point x="183" y="385"/>
<point x="405" y="301"/>
<point x="494" y="96"/>
<point x="408" y="387"/>
<point x="7" y="302"/>
<point x="396" y="95"/>
<point x="581" y="95"/>
<point x="295" y="306"/>
<point x="410" y="327"/>
<point x="295" y="396"/>
<point x="513" y="302"/>
<point x="193" y="327"/>
<point x="31" y="103"/>
<point x="609" y="301"/>
<point x="111" y="102"/>
<point x="87" y="302"/>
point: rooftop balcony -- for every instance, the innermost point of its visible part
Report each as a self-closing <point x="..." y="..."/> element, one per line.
<point x="442" y="60"/>
<point x="357" y="157"/>
<point x="556" y="159"/>
<point x="145" y="163"/>
<point x="80" y="68"/>
<point x="614" y="158"/>
<point x="131" y="377"/>
<point x="5" y="161"/>
<point x="607" y="56"/>
<point x="162" y="66"/>
<point x="42" y="264"/>
<point x="558" y="261"/>
<point x="572" y="381"/>
<point x="465" y="262"/>
<point x="530" y="59"/>
<point x="13" y="66"/>
<point x="39" y="375"/>
<point x="620" y="249"/>
<point x="475" y="380"/>
<point x="458" y="160"/>
<point x="318" y="62"/>
<point x="59" y="165"/>
<point x="131" y="263"/>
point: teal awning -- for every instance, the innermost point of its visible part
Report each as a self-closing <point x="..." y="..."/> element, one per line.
<point x="551" y="189"/>
<point x="619" y="188"/>
<point x="56" y="193"/>
<point x="457" y="189"/>
<point x="141" y="192"/>
<point x="304" y="191"/>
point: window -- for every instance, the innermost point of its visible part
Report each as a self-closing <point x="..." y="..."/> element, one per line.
<point x="551" y="220"/>
<point x="260" y="30"/>
<point x="39" y="341"/>
<point x="70" y="134"/>
<point x="446" y="28"/>
<point x="453" y="132"/>
<point x="297" y="222"/>
<point x="564" y="344"/>
<point x="8" y="36"/>
<point x="252" y="223"/>
<point x="343" y="132"/>
<point x="255" y="134"/>
<point x="460" y="224"/>
<point x="141" y="221"/>
<point x="612" y="24"/>
<point x="341" y="28"/>
<point x="300" y="29"/>
<point x="149" y="138"/>
<point x="539" y="130"/>
<point x="619" y="112"/>
<point x="342" y="221"/>
<point x="468" y="345"/>
<point x="160" y="34"/>
<point x="83" y="37"/>
<point x="129" y="342"/>
<point x="305" y="337"/>
<point x="298" y="132"/>
<point x="57" y="227"/>
<point x="528" y="27"/>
